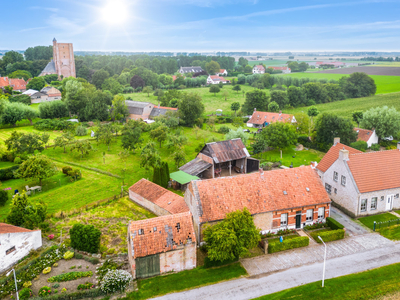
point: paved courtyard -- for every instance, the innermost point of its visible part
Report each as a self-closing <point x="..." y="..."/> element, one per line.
<point x="352" y="227"/>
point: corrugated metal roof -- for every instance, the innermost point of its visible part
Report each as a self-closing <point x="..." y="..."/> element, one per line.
<point x="182" y="177"/>
<point x="227" y="150"/>
<point x="195" y="166"/>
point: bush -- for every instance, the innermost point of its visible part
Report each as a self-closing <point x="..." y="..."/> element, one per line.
<point x="8" y="173"/>
<point x="328" y="236"/>
<point x="48" y="124"/>
<point x="296" y="242"/>
<point x="44" y="291"/>
<point x="53" y="110"/>
<point x="68" y="255"/>
<point x="25" y="293"/>
<point x="25" y="99"/>
<point x="391" y="147"/>
<point x="86" y="286"/>
<point x="55" y="265"/>
<point x="47" y="270"/>
<point x="94" y="260"/>
<point x="375" y="147"/>
<point x="115" y="280"/>
<point x="78" y="256"/>
<point x="74" y="173"/>
<point x="85" y="238"/>
<point x="304" y="140"/>
<point x="27" y="284"/>
<point x="360" y="145"/>
<point x="223" y="129"/>
<point x="17" y="160"/>
<point x="70" y="276"/>
<point x="208" y="263"/>
<point x="3" y="197"/>
<point x="80" y="131"/>
<point x="66" y="170"/>
<point x="56" y="285"/>
<point x="316" y="225"/>
<point x="333" y="224"/>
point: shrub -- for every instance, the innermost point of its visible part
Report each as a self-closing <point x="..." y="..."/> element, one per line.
<point x="66" y="169"/>
<point x="391" y="147"/>
<point x="223" y="129"/>
<point x="328" y="236"/>
<point x="17" y="160"/>
<point x="47" y="270"/>
<point x="333" y="224"/>
<point x="25" y="293"/>
<point x="27" y="284"/>
<point x="304" y="140"/>
<point x="69" y="276"/>
<point x="74" y="173"/>
<point x="86" y="286"/>
<point x="56" y="285"/>
<point x="115" y="280"/>
<point x="78" y="256"/>
<point x="55" y="291"/>
<point x="105" y="267"/>
<point x="68" y="255"/>
<point x="297" y="242"/>
<point x="64" y="290"/>
<point x="94" y="260"/>
<point x="316" y="225"/>
<point x="80" y="131"/>
<point x="85" y="238"/>
<point x="3" y="197"/>
<point x="51" y="236"/>
<point x="44" y="291"/>
<point x="25" y="99"/>
<point x="360" y="145"/>
<point x="55" y="265"/>
<point x="47" y="124"/>
<point x="375" y="147"/>
<point x="8" y="173"/>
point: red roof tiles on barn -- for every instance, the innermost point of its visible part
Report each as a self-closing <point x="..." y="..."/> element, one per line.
<point x="260" y="117"/>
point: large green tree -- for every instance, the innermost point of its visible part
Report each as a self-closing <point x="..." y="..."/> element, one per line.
<point x="36" y="83"/>
<point x="212" y="67"/>
<point x="82" y="146"/>
<point x="62" y="141"/>
<point x="328" y="126"/>
<point x="280" y="135"/>
<point x="131" y="135"/>
<point x="99" y="77"/>
<point x="385" y="120"/>
<point x="256" y="99"/>
<point x="149" y="157"/>
<point x="357" y="85"/>
<point x="119" y="108"/>
<point x="191" y="108"/>
<point x="214" y="89"/>
<point x="232" y="237"/>
<point x="159" y="133"/>
<point x="37" y="167"/>
<point x="279" y="97"/>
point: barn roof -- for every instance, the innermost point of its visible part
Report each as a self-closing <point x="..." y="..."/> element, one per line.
<point x="195" y="166"/>
<point x="226" y="150"/>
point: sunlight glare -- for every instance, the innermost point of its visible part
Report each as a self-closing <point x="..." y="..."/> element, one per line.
<point x="115" y="12"/>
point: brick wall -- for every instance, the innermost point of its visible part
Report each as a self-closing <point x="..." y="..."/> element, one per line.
<point x="159" y="211"/>
<point x="178" y="260"/>
<point x="263" y="221"/>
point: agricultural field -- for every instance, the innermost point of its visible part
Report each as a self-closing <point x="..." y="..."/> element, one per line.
<point x="272" y="63"/>
<point x="346" y="107"/>
<point x="211" y="102"/>
<point x="384" y="84"/>
<point x="377" y="70"/>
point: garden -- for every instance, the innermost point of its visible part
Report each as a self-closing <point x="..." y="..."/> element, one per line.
<point x="331" y="230"/>
<point x="387" y="224"/>
<point x="271" y="242"/>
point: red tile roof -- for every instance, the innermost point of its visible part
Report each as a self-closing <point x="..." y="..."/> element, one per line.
<point x="333" y="154"/>
<point x="260" y="117"/>
<point x="168" y="200"/>
<point x="279" y="68"/>
<point x="164" y="107"/>
<point x="173" y="77"/>
<point x="7" y="228"/>
<point x="18" y="84"/>
<point x="4" y="82"/>
<point x="259" y="192"/>
<point x="363" y="134"/>
<point x="260" y="67"/>
<point x="161" y="234"/>
<point x="222" y="70"/>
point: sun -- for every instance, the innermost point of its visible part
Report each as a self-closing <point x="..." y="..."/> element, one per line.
<point x="115" y="12"/>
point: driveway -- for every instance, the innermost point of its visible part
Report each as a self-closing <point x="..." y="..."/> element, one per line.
<point x="252" y="287"/>
<point x="352" y="228"/>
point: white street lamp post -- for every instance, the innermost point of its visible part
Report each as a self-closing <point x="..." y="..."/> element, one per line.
<point x="15" y="279"/>
<point x="323" y="272"/>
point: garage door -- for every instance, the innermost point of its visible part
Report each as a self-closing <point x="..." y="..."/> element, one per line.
<point x="148" y="266"/>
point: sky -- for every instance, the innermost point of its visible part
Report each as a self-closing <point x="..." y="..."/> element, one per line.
<point x="203" y="25"/>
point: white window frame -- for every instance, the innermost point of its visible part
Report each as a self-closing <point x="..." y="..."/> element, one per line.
<point x="374" y="200"/>
<point x="309" y="215"/>
<point x="335" y="176"/>
<point x="364" y="203"/>
<point x="343" y="181"/>
<point x="321" y="213"/>
<point x="284" y="220"/>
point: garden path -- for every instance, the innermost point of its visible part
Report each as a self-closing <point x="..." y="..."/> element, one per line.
<point x="303" y="233"/>
<point x="395" y="213"/>
<point x="352" y="228"/>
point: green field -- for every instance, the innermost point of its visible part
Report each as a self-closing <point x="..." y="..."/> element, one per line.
<point x="366" y="285"/>
<point x="346" y="107"/>
<point x="211" y="102"/>
<point x="384" y="84"/>
<point x="369" y="221"/>
<point x="304" y="157"/>
<point x="272" y="63"/>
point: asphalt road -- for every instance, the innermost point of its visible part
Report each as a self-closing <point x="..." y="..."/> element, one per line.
<point x="256" y="286"/>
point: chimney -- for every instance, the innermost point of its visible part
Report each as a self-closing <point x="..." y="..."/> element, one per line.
<point x="336" y="140"/>
<point x="255" y="109"/>
<point x="158" y="104"/>
<point x="280" y="112"/>
<point x="261" y="171"/>
<point x="344" y="154"/>
<point x="398" y="146"/>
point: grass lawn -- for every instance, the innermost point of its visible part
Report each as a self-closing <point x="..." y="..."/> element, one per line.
<point x="369" y="221"/>
<point x="384" y="84"/>
<point x="303" y="157"/>
<point x="392" y="232"/>
<point x="211" y="102"/>
<point x="364" y="285"/>
<point x="346" y="107"/>
<point x="6" y="164"/>
<point x="111" y="219"/>
<point x="161" y="285"/>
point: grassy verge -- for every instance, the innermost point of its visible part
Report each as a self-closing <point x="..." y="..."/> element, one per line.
<point x="365" y="285"/>
<point x="369" y="221"/>
<point x="392" y="232"/>
<point x="161" y="285"/>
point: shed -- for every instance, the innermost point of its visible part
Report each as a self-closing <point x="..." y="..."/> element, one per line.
<point x="180" y="179"/>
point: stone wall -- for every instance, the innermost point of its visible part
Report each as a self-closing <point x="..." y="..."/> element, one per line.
<point x="23" y="243"/>
<point x="154" y="208"/>
<point x="179" y="259"/>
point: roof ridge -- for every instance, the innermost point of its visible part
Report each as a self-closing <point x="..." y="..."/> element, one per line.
<point x="380" y="151"/>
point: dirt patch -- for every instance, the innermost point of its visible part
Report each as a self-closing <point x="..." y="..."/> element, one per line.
<point x="64" y="267"/>
<point x="388" y="71"/>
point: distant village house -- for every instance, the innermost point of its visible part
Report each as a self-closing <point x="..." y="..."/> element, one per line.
<point x="260" y="119"/>
<point x="184" y="70"/>
<point x="258" y="69"/>
<point x="215" y="79"/>
<point x="146" y="111"/>
<point x="368" y="136"/>
<point x="18" y="85"/>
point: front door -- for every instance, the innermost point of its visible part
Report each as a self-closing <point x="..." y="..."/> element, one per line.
<point x="298" y="219"/>
<point x="389" y="202"/>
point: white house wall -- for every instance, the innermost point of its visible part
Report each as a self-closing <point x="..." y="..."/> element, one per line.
<point x="373" y="139"/>
<point x="23" y="243"/>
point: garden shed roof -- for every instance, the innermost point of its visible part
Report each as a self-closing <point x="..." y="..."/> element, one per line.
<point x="195" y="166"/>
<point x="183" y="177"/>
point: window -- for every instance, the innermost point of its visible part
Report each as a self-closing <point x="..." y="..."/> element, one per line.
<point x="335" y="176"/>
<point x="374" y="201"/>
<point x="154" y="229"/>
<point x="328" y="188"/>
<point x="309" y="216"/>
<point x="343" y="180"/>
<point x="12" y="249"/>
<point x="284" y="218"/>
<point x="364" y="205"/>
<point x="396" y="196"/>
<point x="141" y="231"/>
<point x="382" y="198"/>
<point x="321" y="213"/>
<point x="335" y="190"/>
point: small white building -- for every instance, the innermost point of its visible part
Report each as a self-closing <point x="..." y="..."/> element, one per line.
<point x="184" y="70"/>
<point x="258" y="69"/>
<point x="285" y="70"/>
<point x="222" y="72"/>
<point x="366" y="135"/>
<point x="16" y="243"/>
<point x="215" y="79"/>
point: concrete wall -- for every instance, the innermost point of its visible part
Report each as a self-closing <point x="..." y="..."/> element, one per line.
<point x="179" y="259"/>
<point x="381" y="204"/>
<point x="154" y="208"/>
<point x="23" y="243"/>
<point x="193" y="204"/>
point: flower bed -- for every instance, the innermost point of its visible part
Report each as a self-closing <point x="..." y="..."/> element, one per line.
<point x="69" y="276"/>
<point x="279" y="233"/>
<point x="316" y="225"/>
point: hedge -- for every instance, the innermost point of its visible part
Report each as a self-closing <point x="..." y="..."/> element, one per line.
<point x="70" y="276"/>
<point x="92" y="293"/>
<point x="8" y="173"/>
<point x="208" y="263"/>
<point x="328" y="236"/>
<point x="297" y="242"/>
<point x="333" y="224"/>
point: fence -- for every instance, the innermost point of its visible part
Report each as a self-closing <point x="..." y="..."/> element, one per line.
<point x="379" y="225"/>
